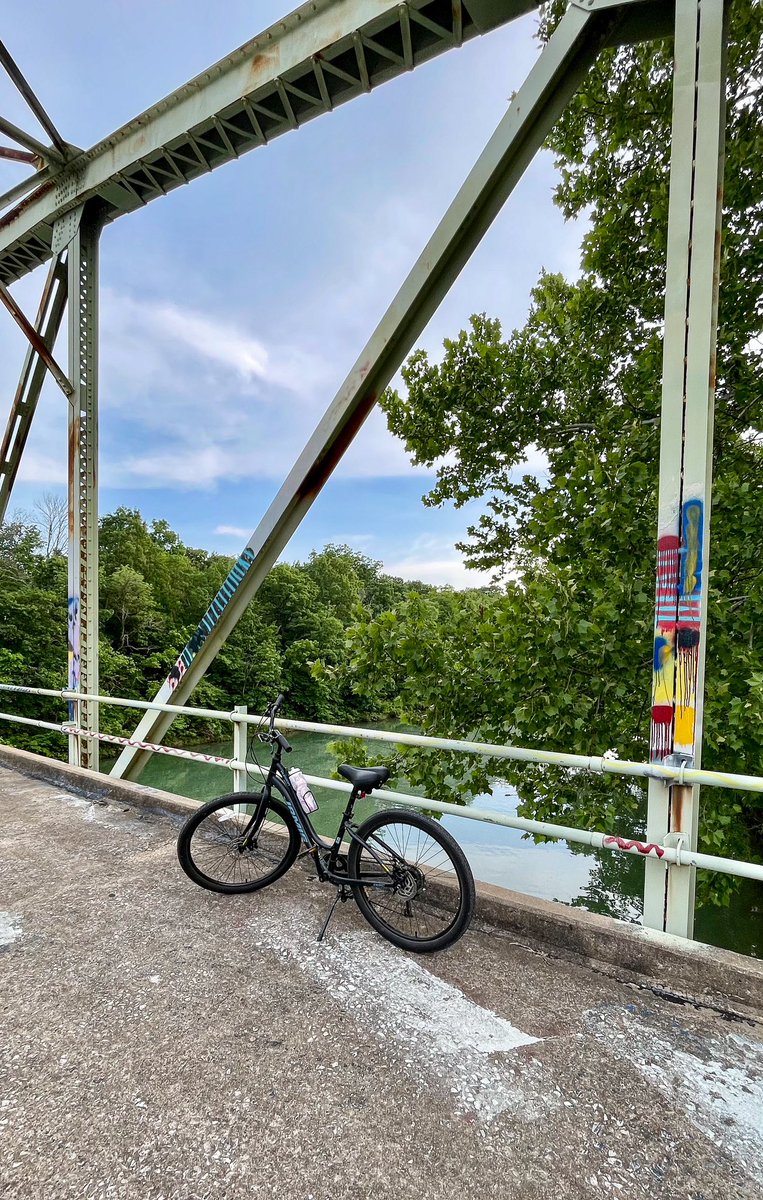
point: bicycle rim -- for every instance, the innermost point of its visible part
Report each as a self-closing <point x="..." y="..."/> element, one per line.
<point x="213" y="853"/>
<point x="421" y="894"/>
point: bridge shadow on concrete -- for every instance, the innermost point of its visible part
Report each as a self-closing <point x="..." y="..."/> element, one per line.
<point x="162" y="1041"/>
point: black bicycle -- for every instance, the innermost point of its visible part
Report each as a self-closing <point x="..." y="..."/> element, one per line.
<point x="410" y="879"/>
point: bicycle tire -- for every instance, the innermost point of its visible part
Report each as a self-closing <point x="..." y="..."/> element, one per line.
<point x="432" y="903"/>
<point x="207" y="846"/>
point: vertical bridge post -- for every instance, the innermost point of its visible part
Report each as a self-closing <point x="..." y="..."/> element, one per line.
<point x="688" y="393"/>
<point x="83" y="482"/>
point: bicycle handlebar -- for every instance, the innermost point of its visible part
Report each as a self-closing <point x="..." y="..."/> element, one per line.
<point x="273" y="710"/>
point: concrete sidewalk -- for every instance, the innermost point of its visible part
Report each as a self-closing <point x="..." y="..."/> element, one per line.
<point x="159" y="1041"/>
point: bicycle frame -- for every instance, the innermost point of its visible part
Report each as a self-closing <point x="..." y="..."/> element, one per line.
<point x="325" y="854"/>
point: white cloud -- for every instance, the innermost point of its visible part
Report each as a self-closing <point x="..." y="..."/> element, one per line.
<point x="217" y="341"/>
<point x="217" y="366"/>
<point x="441" y="571"/>
<point x="207" y="401"/>
<point x="232" y="531"/>
<point x="42" y="468"/>
<point x="536" y="462"/>
<point x="186" y="468"/>
<point x="178" y="349"/>
<point x="432" y="559"/>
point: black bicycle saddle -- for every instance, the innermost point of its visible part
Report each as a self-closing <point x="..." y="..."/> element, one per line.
<point x="365" y="779"/>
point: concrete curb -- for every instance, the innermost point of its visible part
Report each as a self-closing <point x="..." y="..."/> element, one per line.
<point x="691" y="971"/>
<point x="93" y="784"/>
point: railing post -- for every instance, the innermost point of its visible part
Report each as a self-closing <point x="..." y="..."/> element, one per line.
<point x="239" y="748"/>
<point x="72" y="738"/>
<point x="686" y="443"/>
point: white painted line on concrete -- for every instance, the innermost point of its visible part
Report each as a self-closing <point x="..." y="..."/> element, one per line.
<point x="717" y="1081"/>
<point x="107" y="815"/>
<point x="432" y="1028"/>
<point x="10" y="928"/>
<point x="90" y="812"/>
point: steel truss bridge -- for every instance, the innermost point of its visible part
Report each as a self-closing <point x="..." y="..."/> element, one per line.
<point x="322" y="55"/>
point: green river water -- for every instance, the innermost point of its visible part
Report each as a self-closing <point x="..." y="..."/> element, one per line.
<point x="600" y="881"/>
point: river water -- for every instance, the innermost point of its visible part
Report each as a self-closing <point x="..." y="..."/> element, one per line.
<point x="600" y="881"/>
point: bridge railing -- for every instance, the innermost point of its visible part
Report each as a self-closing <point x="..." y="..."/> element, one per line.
<point x="674" y="852"/>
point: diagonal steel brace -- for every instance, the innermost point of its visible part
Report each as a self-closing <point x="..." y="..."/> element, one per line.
<point x="553" y="80"/>
<point x="36" y="341"/>
<point x="48" y="323"/>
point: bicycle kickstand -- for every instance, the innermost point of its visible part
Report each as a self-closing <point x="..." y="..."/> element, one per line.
<point x="342" y="895"/>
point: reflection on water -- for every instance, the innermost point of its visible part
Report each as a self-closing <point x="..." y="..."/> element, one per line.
<point x="599" y="881"/>
<point x="504" y="856"/>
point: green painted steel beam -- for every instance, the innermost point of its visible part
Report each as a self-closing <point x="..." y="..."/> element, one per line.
<point x="318" y="57"/>
<point x="558" y="72"/>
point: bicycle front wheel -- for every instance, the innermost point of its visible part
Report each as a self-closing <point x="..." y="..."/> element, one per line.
<point x="215" y="852"/>
<point x="416" y="889"/>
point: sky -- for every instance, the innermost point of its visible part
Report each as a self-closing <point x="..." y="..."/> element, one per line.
<point x="233" y="309"/>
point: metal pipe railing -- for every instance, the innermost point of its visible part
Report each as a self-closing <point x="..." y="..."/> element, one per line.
<point x="676" y="854"/>
<point x="597" y="764"/>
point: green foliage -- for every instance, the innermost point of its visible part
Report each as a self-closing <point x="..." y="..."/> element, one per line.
<point x="128" y="606"/>
<point x="154" y="590"/>
<point x="557" y="425"/>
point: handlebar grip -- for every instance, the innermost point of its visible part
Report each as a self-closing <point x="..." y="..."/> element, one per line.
<point x="273" y="709"/>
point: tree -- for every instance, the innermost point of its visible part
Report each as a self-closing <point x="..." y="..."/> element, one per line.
<point x="19" y="544"/>
<point x="563" y="658"/>
<point x="51" y="516"/>
<point x="340" y="585"/>
<point x="128" y="606"/>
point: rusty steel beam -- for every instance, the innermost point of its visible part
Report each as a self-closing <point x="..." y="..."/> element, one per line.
<point x="35" y="340"/>
<point x="25" y="139"/>
<point x="30" y="184"/>
<point x="82" y="268"/>
<point x="48" y="323"/>
<point x="23" y="86"/>
<point x="23" y="156"/>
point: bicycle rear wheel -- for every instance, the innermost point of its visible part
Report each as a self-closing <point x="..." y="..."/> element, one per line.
<point x="417" y="888"/>
<point x="211" y="846"/>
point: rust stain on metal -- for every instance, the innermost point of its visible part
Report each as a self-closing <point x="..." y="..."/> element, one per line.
<point x="319" y="473"/>
<point x="713" y="372"/>
<point x="23" y="205"/>
<point x="73" y="462"/>
<point x="36" y="340"/>
<point x="676" y="808"/>
<point x="264" y="61"/>
<point x="23" y="156"/>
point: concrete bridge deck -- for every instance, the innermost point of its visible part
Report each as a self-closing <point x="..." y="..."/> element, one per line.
<point x="159" y="1041"/>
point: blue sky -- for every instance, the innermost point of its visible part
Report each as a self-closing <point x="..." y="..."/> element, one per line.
<point x="233" y="308"/>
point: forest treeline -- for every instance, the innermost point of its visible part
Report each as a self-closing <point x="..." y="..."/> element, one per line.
<point x="154" y="589"/>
